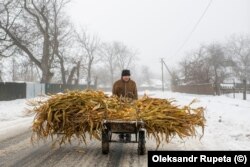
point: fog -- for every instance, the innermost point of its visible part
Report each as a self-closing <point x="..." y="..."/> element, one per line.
<point x="82" y="41"/>
<point x="159" y="29"/>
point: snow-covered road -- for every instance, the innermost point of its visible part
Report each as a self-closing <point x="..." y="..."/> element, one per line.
<point x="227" y="128"/>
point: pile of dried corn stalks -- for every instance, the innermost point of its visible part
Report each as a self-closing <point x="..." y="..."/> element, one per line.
<point x="77" y="113"/>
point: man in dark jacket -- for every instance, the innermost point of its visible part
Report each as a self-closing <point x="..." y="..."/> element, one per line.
<point x="125" y="87"/>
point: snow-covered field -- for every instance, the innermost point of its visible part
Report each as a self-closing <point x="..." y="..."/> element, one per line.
<point x="227" y="126"/>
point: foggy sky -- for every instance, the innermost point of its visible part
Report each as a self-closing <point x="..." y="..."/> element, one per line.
<point x="157" y="28"/>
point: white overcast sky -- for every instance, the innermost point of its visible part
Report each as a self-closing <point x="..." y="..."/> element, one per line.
<point x="158" y="28"/>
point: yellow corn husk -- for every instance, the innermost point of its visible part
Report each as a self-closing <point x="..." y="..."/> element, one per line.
<point x="77" y="113"/>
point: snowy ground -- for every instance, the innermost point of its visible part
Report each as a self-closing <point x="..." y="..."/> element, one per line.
<point x="13" y="119"/>
<point x="227" y="126"/>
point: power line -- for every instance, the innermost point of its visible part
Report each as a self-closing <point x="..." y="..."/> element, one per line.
<point x="194" y="28"/>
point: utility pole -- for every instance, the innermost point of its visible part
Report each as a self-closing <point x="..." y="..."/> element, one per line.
<point x="162" y="79"/>
<point x="244" y="89"/>
<point x="234" y="88"/>
<point x="167" y="68"/>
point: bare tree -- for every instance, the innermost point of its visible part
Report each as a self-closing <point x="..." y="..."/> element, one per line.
<point x="26" y="70"/>
<point x="145" y="75"/>
<point x="194" y="68"/>
<point x="102" y="73"/>
<point x="63" y="44"/>
<point x="238" y="48"/>
<point x="90" y="45"/>
<point x="8" y="15"/>
<point x="109" y="56"/>
<point x="217" y="62"/>
<point x="1" y="80"/>
<point x="33" y="39"/>
<point x="206" y="65"/>
<point x="13" y="70"/>
<point x="125" y="56"/>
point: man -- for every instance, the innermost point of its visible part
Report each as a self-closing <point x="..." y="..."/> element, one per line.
<point x="125" y="87"/>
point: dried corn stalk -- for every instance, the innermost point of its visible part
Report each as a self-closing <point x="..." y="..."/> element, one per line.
<point x="164" y="120"/>
<point x="77" y="113"/>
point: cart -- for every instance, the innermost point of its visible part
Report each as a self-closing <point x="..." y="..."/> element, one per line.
<point x="119" y="127"/>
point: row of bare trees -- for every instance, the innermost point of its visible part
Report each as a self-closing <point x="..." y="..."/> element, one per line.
<point x="41" y="33"/>
<point x="35" y="29"/>
<point x="218" y="62"/>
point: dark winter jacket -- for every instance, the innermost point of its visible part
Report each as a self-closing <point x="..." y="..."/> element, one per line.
<point x="125" y="89"/>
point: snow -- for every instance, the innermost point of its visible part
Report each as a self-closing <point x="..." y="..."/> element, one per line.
<point x="13" y="119"/>
<point x="227" y="125"/>
<point x="238" y="96"/>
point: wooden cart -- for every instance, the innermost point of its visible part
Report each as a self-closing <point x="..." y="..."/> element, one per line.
<point x="119" y="127"/>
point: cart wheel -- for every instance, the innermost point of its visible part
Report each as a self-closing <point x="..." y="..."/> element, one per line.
<point x="141" y="142"/>
<point x="105" y="141"/>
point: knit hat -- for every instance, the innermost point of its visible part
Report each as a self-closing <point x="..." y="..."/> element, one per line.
<point x="125" y="73"/>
